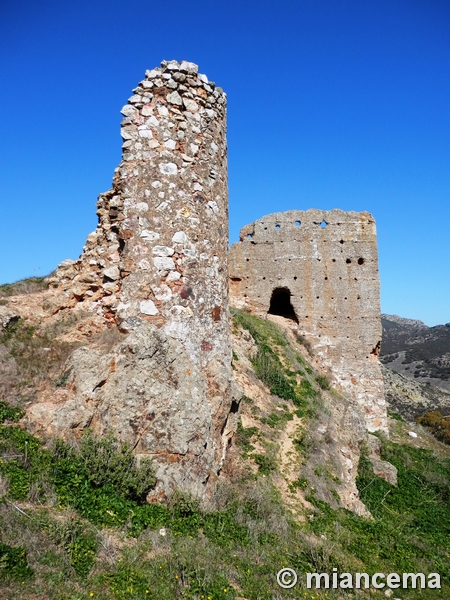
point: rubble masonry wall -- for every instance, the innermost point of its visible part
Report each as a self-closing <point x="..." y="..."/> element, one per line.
<point x="156" y="266"/>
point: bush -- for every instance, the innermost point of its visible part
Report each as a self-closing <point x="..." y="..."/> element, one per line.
<point x="109" y="462"/>
<point x="13" y="562"/>
<point x="437" y="424"/>
<point x="10" y="413"/>
<point x="323" y="382"/>
<point x="78" y="541"/>
<point x="99" y="478"/>
<point x="266" y="463"/>
<point x="244" y="435"/>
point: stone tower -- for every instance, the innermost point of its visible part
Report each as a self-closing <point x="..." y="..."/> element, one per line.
<point x="157" y="267"/>
<point x="320" y="268"/>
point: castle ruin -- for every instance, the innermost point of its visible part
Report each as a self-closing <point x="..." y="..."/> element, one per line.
<point x="156" y="267"/>
<point x="320" y="269"/>
<point x="156" y="270"/>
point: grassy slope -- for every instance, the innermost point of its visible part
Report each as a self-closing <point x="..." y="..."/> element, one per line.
<point x="81" y="537"/>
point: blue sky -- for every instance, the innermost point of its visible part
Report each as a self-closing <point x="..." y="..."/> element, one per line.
<point x="331" y="104"/>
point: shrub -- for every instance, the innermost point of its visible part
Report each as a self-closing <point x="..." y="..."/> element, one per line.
<point x="99" y="478"/>
<point x="10" y="413"/>
<point x="13" y="562"/>
<point x="323" y="382"/>
<point x="107" y="462"/>
<point x="244" y="435"/>
<point x="266" y="463"/>
<point x="76" y="538"/>
<point x="437" y="424"/>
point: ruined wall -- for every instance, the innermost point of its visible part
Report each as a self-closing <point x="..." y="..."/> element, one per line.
<point x="328" y="262"/>
<point x="157" y="267"/>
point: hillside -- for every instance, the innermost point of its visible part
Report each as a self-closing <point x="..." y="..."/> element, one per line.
<point x="416" y="351"/>
<point x="74" y="523"/>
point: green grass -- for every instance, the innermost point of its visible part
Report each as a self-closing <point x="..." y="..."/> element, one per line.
<point x="240" y="546"/>
<point x="273" y="350"/>
<point x="10" y="413"/>
<point x="88" y="529"/>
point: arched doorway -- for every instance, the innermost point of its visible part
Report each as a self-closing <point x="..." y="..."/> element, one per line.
<point x="280" y="304"/>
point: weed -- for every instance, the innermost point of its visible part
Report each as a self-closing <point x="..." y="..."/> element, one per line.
<point x="277" y="420"/>
<point x="63" y="378"/>
<point x="265" y="462"/>
<point x="78" y="540"/>
<point x="396" y="417"/>
<point x="10" y="413"/>
<point x="268" y="368"/>
<point x="244" y="435"/>
<point x="323" y="382"/>
<point x="301" y="483"/>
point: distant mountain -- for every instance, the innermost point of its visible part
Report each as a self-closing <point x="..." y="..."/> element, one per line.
<point x="417" y="351"/>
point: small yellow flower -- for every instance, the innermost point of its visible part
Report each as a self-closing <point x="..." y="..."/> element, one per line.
<point x="225" y="590"/>
<point x="176" y="576"/>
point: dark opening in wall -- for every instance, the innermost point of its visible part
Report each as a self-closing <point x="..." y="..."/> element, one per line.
<point x="280" y="304"/>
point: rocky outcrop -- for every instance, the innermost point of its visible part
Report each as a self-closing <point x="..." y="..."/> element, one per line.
<point x="410" y="399"/>
<point x="156" y="267"/>
<point x="381" y="468"/>
<point x="320" y="269"/>
<point x="7" y="317"/>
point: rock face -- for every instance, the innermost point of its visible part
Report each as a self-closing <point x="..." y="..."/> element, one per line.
<point x="411" y="399"/>
<point x="320" y="268"/>
<point x="7" y="316"/>
<point x="157" y="267"/>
